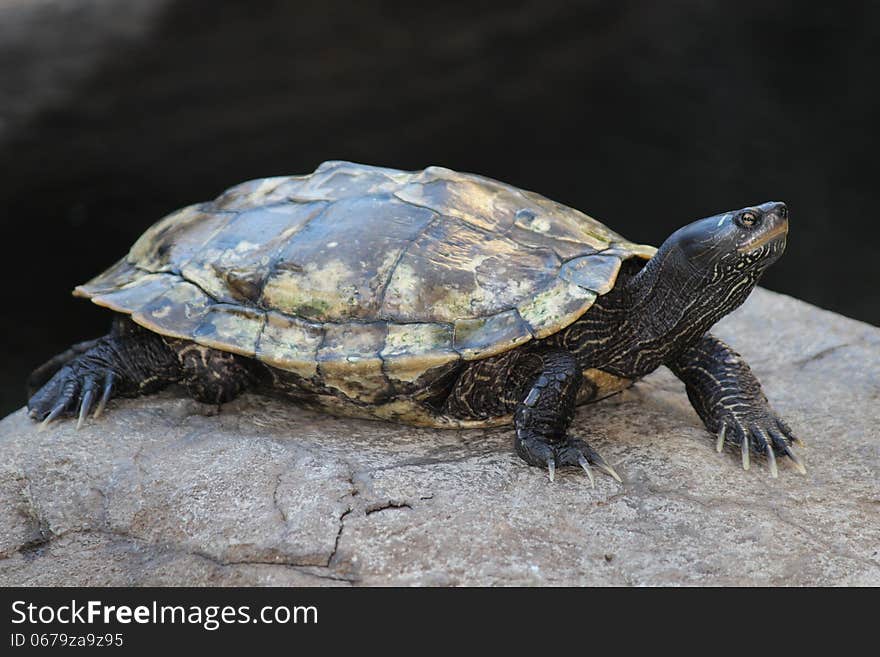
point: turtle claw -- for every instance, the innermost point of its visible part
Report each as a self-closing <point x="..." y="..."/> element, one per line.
<point x="67" y="393"/>
<point x="83" y="411"/>
<point x="585" y="464"/>
<point x="786" y="431"/>
<point x="744" y="444"/>
<point x="592" y="458"/>
<point x="764" y="443"/>
<point x="536" y="450"/>
<point x="54" y="413"/>
<point x="771" y="462"/>
<point x="607" y="469"/>
<point x="782" y="443"/>
<point x="109" y="380"/>
<point x="719" y="444"/>
<point x="603" y="466"/>
<point x="796" y="460"/>
<point x="762" y="433"/>
<point x="86" y="401"/>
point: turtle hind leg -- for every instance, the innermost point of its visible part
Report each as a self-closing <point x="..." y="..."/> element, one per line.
<point x="41" y="375"/>
<point x="212" y="376"/>
<point x="127" y="362"/>
<point x="122" y="326"/>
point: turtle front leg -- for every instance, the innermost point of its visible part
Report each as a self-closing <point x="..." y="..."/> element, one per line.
<point x="543" y="416"/>
<point x="728" y="398"/>
<point x="127" y="362"/>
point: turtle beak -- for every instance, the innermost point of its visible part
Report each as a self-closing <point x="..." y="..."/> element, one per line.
<point x="773" y="229"/>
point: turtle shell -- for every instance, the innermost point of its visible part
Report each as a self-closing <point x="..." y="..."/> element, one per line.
<point x="371" y="275"/>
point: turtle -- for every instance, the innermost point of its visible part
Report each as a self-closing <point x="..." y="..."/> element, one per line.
<point x="431" y="298"/>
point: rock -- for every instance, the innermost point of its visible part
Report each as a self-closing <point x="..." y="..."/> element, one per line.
<point x="164" y="491"/>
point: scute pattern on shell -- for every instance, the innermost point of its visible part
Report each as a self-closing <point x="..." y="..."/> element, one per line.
<point x="363" y="276"/>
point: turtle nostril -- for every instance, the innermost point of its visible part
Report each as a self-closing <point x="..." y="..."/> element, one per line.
<point x="783" y="211"/>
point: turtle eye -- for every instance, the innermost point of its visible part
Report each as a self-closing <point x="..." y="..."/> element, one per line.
<point x="748" y="219"/>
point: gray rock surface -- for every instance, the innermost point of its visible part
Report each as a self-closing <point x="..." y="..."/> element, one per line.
<point x="165" y="491"/>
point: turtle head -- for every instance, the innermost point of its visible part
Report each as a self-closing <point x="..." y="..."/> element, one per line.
<point x="732" y="245"/>
<point x="707" y="269"/>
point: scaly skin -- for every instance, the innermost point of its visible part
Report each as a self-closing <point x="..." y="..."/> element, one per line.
<point x="130" y="362"/>
<point x="543" y="416"/>
<point x="127" y="362"/>
<point x="729" y="400"/>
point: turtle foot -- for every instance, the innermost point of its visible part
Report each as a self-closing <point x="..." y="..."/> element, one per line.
<point x="762" y="433"/>
<point x="130" y="361"/>
<point x="536" y="450"/>
<point x="73" y="390"/>
<point x="41" y="376"/>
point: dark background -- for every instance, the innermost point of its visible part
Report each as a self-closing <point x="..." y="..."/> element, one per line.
<point x="646" y="115"/>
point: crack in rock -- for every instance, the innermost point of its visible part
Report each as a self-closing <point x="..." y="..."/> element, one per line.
<point x="801" y="362"/>
<point x="275" y="503"/>
<point x="384" y="506"/>
<point x="338" y="537"/>
<point x="32" y="550"/>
